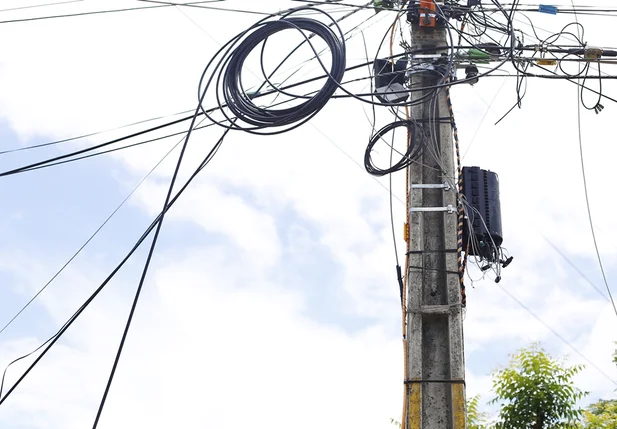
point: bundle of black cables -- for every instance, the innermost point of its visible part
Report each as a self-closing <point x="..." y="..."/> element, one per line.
<point x="414" y="148"/>
<point x="236" y="102"/>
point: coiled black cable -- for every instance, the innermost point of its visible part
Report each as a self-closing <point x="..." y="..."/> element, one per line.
<point x="414" y="148"/>
<point x="235" y="101"/>
<point x="242" y="105"/>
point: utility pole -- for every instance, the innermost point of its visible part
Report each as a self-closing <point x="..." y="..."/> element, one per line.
<point x="435" y="379"/>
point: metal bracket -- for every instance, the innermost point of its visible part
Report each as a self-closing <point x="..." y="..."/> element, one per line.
<point x="426" y="56"/>
<point x="434" y="309"/>
<point x="449" y="209"/>
<point x="444" y="186"/>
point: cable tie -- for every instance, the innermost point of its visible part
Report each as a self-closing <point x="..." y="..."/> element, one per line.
<point x="408" y="382"/>
<point x="551" y="10"/>
<point x="414" y="267"/>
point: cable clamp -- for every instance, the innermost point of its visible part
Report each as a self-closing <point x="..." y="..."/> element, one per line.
<point x="421" y="252"/>
<point x="444" y="186"/>
<point x="450" y="209"/>
<point x="434" y="309"/>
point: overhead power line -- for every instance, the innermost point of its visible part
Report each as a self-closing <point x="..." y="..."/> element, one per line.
<point x="40" y="5"/>
<point x="145" y="269"/>
<point x="95" y="12"/>
<point x="53" y="339"/>
<point x="92" y="236"/>
<point x="155" y="226"/>
<point x="91" y="134"/>
<point x="591" y="226"/>
<point x="558" y="335"/>
<point x="575" y="267"/>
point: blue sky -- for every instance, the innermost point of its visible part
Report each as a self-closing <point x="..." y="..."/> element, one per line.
<point x="277" y="265"/>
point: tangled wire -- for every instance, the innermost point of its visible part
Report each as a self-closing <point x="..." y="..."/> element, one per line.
<point x="414" y="148"/>
<point x="223" y="75"/>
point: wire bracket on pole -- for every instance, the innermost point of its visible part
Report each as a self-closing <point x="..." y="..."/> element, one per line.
<point x="420" y="252"/>
<point x="450" y="209"/>
<point x="444" y="186"/>
<point x="435" y="309"/>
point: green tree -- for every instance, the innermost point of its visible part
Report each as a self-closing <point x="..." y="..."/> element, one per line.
<point x="475" y="419"/>
<point x="602" y="415"/>
<point x="536" y="392"/>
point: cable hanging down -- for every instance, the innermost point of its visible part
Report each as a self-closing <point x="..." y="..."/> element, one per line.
<point x="414" y="148"/>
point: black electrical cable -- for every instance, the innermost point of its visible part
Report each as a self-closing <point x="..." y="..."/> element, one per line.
<point x="580" y="85"/>
<point x="104" y="152"/>
<point x="83" y="136"/>
<point x="75" y="254"/>
<point x="414" y="148"/>
<point x="87" y="241"/>
<point x="198" y="5"/>
<point x="186" y="118"/>
<point x="66" y="158"/>
<point x="52" y="340"/>
<point x="282" y="90"/>
<point x="242" y="106"/>
<point x="145" y="269"/>
<point x="597" y="107"/>
<point x="97" y="12"/>
<point x="103" y="224"/>
<point x="226" y="67"/>
<point x="98" y="146"/>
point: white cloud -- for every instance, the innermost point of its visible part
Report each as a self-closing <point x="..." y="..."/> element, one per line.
<point x="220" y="350"/>
<point x="219" y="339"/>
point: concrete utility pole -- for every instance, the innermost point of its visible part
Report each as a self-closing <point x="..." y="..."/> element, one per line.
<point x="435" y="352"/>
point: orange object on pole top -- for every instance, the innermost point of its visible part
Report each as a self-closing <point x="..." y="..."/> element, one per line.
<point x="428" y="13"/>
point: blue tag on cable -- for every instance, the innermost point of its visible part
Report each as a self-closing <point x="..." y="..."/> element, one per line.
<point x="548" y="9"/>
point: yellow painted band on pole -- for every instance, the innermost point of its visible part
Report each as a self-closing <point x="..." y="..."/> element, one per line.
<point x="458" y="406"/>
<point x="415" y="406"/>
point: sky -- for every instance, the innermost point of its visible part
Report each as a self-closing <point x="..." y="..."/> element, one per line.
<point x="272" y="297"/>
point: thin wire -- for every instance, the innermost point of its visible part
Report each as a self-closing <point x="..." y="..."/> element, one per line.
<point x="573" y="265"/>
<point x="69" y="15"/>
<point x="81" y="151"/>
<point x="593" y="232"/>
<point x="40" y="5"/>
<point x="488" y="109"/>
<point x="353" y="160"/>
<point x="211" y="8"/>
<point x="53" y="339"/>
<point x="579" y="96"/>
<point x="566" y="342"/>
<point x="145" y="270"/>
<point x="94" y="234"/>
<point x="56" y="142"/>
<point x="222" y="9"/>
